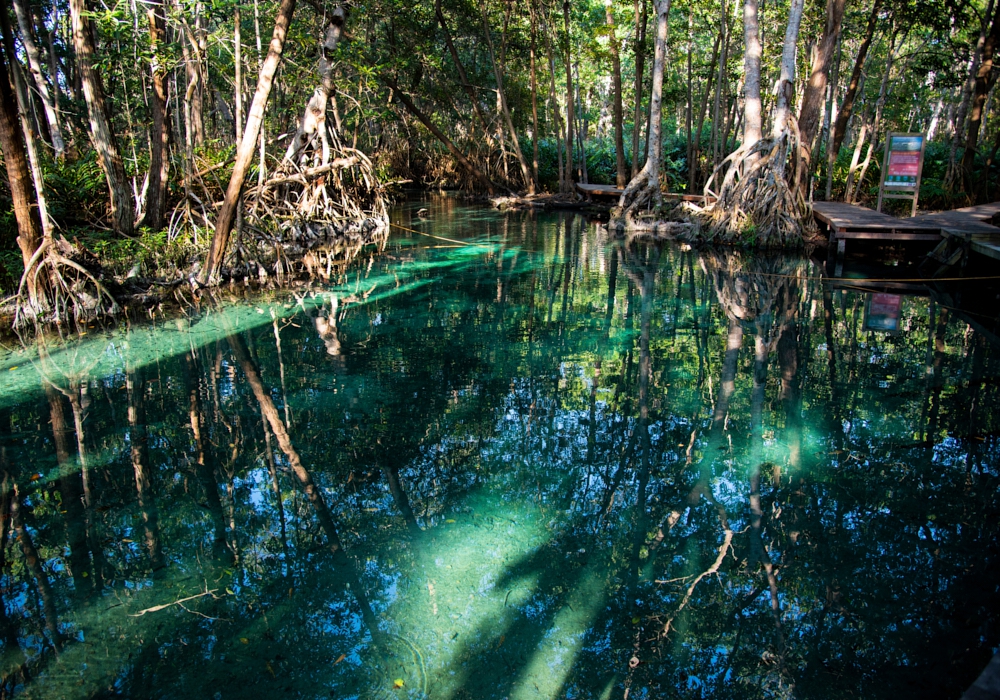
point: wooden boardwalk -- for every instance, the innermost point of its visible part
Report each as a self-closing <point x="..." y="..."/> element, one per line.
<point x="970" y="229"/>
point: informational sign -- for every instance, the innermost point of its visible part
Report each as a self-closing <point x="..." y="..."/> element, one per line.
<point x="903" y="165"/>
<point x="884" y="312"/>
<point x="905" y="156"/>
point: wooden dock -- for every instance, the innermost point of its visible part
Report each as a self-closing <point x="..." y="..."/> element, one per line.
<point x="963" y="230"/>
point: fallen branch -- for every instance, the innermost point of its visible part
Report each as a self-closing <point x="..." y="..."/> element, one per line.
<point x="157" y="608"/>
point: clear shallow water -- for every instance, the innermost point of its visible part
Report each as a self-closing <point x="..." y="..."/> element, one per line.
<point x="511" y="461"/>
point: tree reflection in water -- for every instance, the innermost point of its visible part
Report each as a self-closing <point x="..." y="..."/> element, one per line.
<point x="540" y="465"/>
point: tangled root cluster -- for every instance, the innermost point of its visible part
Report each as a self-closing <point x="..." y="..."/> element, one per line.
<point x="340" y="194"/>
<point x="62" y="281"/>
<point x="757" y="202"/>
<point x="322" y="202"/>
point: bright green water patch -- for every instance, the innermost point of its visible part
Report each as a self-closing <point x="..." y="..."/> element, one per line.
<point x="539" y="465"/>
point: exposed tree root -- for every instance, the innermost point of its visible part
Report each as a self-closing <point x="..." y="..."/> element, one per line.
<point x="758" y="201"/>
<point x="61" y="282"/>
<point x="324" y="196"/>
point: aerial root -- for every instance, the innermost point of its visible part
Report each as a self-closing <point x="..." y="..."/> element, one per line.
<point x="758" y="200"/>
<point x="61" y="281"/>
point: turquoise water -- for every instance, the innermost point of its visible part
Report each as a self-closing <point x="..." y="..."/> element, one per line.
<point x="506" y="458"/>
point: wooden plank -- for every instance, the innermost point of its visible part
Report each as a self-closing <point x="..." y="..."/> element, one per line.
<point x="890" y="235"/>
<point x="599" y="190"/>
<point x="840" y="216"/>
<point x="991" y="250"/>
<point x="960" y="221"/>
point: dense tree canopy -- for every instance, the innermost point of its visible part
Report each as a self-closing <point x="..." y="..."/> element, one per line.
<point x="129" y="112"/>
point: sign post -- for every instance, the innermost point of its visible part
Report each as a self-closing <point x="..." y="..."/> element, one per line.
<point x="902" y="168"/>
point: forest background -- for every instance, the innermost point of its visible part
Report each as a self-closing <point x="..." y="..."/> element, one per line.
<point x="490" y="96"/>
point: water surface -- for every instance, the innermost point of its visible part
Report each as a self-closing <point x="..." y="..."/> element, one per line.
<point x="507" y="459"/>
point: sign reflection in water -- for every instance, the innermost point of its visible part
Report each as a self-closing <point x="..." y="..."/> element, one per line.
<point x="541" y="465"/>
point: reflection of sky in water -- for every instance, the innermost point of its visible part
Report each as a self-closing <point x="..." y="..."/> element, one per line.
<point x="509" y="525"/>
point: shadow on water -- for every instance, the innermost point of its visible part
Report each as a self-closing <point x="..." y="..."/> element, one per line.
<point x="538" y="466"/>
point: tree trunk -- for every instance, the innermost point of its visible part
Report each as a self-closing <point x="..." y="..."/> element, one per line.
<point x="534" y="94"/>
<point x="953" y="174"/>
<point x="645" y="186"/>
<point x="847" y="106"/>
<point x="719" y="82"/>
<point x="501" y="93"/>
<point x="407" y="102"/>
<point x="640" y="65"/>
<point x="703" y="110"/>
<point x="786" y="79"/>
<point x="985" y="80"/>
<point x="751" y="70"/>
<point x="224" y="223"/>
<point x="159" y="135"/>
<point x="570" y="160"/>
<point x="689" y="114"/>
<point x="101" y="133"/>
<point x="313" y="123"/>
<point x="29" y="122"/>
<point x="815" y="93"/>
<point x="41" y="85"/>
<point x="557" y="116"/>
<point x="616" y="66"/>
<point x="15" y="158"/>
<point x="466" y="85"/>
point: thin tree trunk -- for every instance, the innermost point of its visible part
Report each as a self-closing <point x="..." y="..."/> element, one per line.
<point x="238" y="66"/>
<point x="498" y="74"/>
<point x="847" y="106"/>
<point x="752" y="125"/>
<point x="534" y="94"/>
<point x="646" y="185"/>
<point x="466" y="85"/>
<point x="786" y="79"/>
<point x="828" y="116"/>
<point x="41" y="85"/>
<point x="15" y="158"/>
<point x="616" y="76"/>
<point x="159" y="136"/>
<point x="985" y="79"/>
<point x="101" y="133"/>
<point x="703" y="110"/>
<point x="717" y="100"/>
<point x="554" y="102"/>
<point x="689" y="116"/>
<point x="953" y="174"/>
<point x="313" y="122"/>
<point x="815" y="93"/>
<point x="224" y="223"/>
<point x="570" y="160"/>
<point x="640" y="65"/>
<point x="407" y="102"/>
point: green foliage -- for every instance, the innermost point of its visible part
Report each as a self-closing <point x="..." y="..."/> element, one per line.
<point x="148" y="254"/>
<point x="77" y="190"/>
